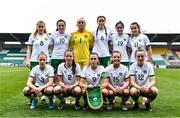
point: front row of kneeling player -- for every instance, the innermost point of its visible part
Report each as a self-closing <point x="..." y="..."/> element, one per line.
<point x="117" y="81"/>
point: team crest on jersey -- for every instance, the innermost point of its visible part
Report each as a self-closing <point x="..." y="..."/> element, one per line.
<point x="120" y="74"/>
<point x="124" y="39"/>
<point x="46" y="39"/>
<point x="135" y="71"/>
<point x="145" y="71"/>
<point x="85" y="36"/>
<point x="140" y="40"/>
<point x="65" y="37"/>
<point x="98" y="75"/>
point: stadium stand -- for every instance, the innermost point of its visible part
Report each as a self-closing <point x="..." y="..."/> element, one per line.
<point x="166" y="49"/>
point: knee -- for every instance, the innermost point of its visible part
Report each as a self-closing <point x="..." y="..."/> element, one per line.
<point x="57" y="90"/>
<point x="110" y="93"/>
<point x="49" y="91"/>
<point x="133" y="91"/>
<point x="154" y="91"/>
<point x="77" y="91"/>
<point x="126" y="92"/>
<point x="104" y="92"/>
<point x="26" y="91"/>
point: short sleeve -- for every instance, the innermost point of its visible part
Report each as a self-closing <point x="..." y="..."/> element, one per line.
<point x="132" y="70"/>
<point x="71" y="42"/>
<point x="146" y="40"/>
<point x="78" y="70"/>
<point x="91" y="40"/>
<point x="59" y="71"/>
<point x="51" y="71"/>
<point x="83" y="73"/>
<point x="33" y="72"/>
<point x="30" y="40"/>
<point x="126" y="73"/>
<point x="151" y="70"/>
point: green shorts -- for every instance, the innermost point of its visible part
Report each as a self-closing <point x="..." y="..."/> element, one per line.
<point x="55" y="63"/>
<point x="104" y="61"/>
<point x="126" y="63"/>
<point x="33" y="64"/>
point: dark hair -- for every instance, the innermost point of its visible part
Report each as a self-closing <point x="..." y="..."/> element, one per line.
<point x="113" y="54"/>
<point x="60" y="20"/>
<point x="42" y="53"/>
<point x="73" y="61"/>
<point x="94" y="53"/>
<point x="104" y="26"/>
<point x="119" y="22"/>
<point x="139" y="50"/>
<point x="135" y="23"/>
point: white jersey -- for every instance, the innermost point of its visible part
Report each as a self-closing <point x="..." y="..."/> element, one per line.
<point x="42" y="76"/>
<point x="61" y="43"/>
<point x="39" y="44"/>
<point x="140" y="41"/>
<point x="141" y="73"/>
<point x="101" y="42"/>
<point x="120" y="43"/>
<point x="92" y="77"/>
<point x="67" y="74"/>
<point x="117" y="76"/>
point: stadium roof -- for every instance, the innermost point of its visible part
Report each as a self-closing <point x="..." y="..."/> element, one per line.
<point x="23" y="37"/>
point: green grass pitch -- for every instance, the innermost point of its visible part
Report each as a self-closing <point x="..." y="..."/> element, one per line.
<point x="14" y="104"/>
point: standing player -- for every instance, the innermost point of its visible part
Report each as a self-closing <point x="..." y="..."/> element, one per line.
<point x="81" y="42"/>
<point x="92" y="74"/>
<point x="118" y="81"/>
<point x="120" y="43"/>
<point x="139" y="40"/>
<point x="68" y="74"/>
<point x="142" y="80"/>
<point x="60" y="41"/>
<point x="38" y="42"/>
<point x="102" y="41"/>
<point x="40" y="82"/>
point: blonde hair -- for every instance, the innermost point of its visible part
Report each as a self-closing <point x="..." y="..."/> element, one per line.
<point x="36" y="31"/>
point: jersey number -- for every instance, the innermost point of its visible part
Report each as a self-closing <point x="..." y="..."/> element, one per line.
<point x="140" y="77"/>
<point x="120" y="43"/>
<point x="136" y="44"/>
<point x="41" y="43"/>
<point x="61" y="40"/>
<point x="94" y="79"/>
<point x="42" y="79"/>
<point x="115" y="79"/>
<point x="69" y="77"/>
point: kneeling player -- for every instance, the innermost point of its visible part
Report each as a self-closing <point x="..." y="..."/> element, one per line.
<point x="142" y="80"/>
<point x="92" y="75"/>
<point x="68" y="74"/>
<point x="117" y="82"/>
<point x="40" y="82"/>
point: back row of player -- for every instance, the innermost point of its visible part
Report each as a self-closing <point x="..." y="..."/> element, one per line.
<point x="100" y="41"/>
